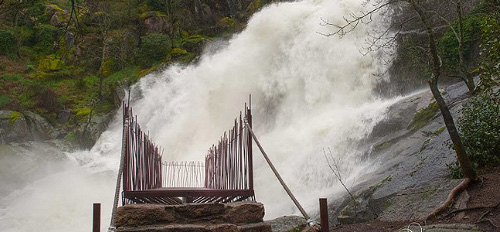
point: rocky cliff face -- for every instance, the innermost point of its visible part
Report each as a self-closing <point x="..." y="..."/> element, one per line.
<point x="411" y="146"/>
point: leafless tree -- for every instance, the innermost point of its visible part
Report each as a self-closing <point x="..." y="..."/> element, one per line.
<point x="385" y="38"/>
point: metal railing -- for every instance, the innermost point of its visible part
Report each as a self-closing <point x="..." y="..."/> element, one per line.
<point x="226" y="176"/>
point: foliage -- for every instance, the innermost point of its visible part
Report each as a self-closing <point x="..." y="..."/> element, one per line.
<point x="14" y="116"/>
<point x="50" y="63"/>
<point x="46" y="66"/>
<point x="4" y="99"/>
<point x="9" y="77"/>
<point x="154" y="48"/>
<point x="480" y="131"/>
<point x="448" y="43"/>
<point x="480" y="128"/>
<point x="422" y="117"/>
<point x="7" y="42"/>
<point x="228" y="23"/>
<point x="490" y="48"/>
<point x="45" y="36"/>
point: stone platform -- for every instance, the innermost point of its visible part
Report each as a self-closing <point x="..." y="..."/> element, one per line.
<point x="231" y="217"/>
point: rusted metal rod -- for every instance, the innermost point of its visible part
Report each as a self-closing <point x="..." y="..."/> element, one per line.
<point x="323" y="212"/>
<point x="97" y="217"/>
<point x="306" y="216"/>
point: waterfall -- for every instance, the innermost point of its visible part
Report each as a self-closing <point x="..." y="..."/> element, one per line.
<point x="309" y="93"/>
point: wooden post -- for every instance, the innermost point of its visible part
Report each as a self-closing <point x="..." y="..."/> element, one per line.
<point x="97" y="218"/>
<point x="323" y="212"/>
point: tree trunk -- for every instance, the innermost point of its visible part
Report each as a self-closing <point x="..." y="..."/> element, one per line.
<point x="101" y="69"/>
<point x="469" y="81"/>
<point x="463" y="159"/>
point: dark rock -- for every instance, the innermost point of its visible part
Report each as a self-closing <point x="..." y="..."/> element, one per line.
<point x="167" y="228"/>
<point x="200" y="211"/>
<point x="155" y="23"/>
<point x="144" y="214"/>
<point x="244" y="212"/>
<point x="14" y="128"/>
<point x="288" y="223"/>
<point x="54" y="20"/>
<point x="223" y="228"/>
<point x="63" y="116"/>
<point x="39" y="127"/>
<point x="87" y="134"/>
<point x="244" y="216"/>
<point x="256" y="227"/>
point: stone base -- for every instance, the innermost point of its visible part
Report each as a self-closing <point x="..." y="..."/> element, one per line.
<point x="255" y="227"/>
<point x="232" y="217"/>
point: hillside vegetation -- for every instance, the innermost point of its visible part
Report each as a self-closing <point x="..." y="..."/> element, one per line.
<point x="61" y="55"/>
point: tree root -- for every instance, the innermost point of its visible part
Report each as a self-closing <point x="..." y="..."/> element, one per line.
<point x="474" y="208"/>
<point x="491" y="208"/>
<point x="454" y="192"/>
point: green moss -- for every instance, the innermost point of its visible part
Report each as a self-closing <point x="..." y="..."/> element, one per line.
<point x="382" y="146"/>
<point x="82" y="111"/>
<point x="228" y="23"/>
<point x="4" y="99"/>
<point x="14" y="116"/>
<point x="387" y="204"/>
<point x="187" y="58"/>
<point x="424" y="145"/>
<point x="422" y="117"/>
<point x="14" y="77"/>
<point x="178" y="51"/>
<point x="50" y="63"/>
<point x="439" y="131"/>
<point x="7" y="42"/>
<point x="71" y="138"/>
<point x="56" y="7"/>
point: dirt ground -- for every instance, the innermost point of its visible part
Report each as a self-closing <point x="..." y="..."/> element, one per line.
<point x="482" y="209"/>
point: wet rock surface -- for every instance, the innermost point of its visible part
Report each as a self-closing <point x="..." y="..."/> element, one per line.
<point x="413" y="177"/>
<point x="288" y="223"/>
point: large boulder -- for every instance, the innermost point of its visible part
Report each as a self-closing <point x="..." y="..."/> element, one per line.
<point x="13" y="127"/>
<point x="244" y="212"/>
<point x="23" y="127"/>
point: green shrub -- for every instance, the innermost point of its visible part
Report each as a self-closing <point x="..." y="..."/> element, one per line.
<point x="7" y="42"/>
<point x="14" y="77"/>
<point x="27" y="36"/>
<point x="154" y="48"/>
<point x="490" y="47"/>
<point x="45" y="36"/>
<point x="448" y="44"/>
<point x="193" y="43"/>
<point x="480" y="128"/>
<point x="4" y="99"/>
<point x="228" y="23"/>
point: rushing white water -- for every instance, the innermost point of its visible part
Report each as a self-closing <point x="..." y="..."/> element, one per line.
<point x="309" y="93"/>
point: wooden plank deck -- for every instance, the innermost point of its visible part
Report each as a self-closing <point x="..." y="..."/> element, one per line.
<point x="188" y="195"/>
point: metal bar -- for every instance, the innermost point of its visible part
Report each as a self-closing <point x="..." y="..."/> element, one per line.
<point x="96" y="225"/>
<point x="306" y="216"/>
<point x="323" y="212"/>
<point x="250" y="151"/>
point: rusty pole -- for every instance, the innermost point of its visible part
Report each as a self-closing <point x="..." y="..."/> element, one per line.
<point x="97" y="218"/>
<point x="323" y="212"/>
<point x="295" y="201"/>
